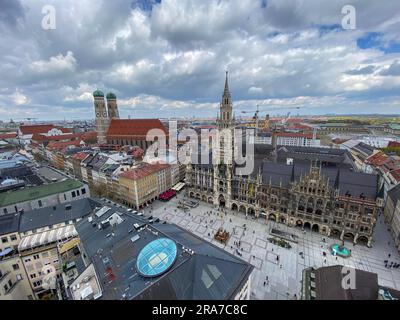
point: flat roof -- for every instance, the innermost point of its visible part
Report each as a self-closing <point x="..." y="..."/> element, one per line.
<point x="32" y="193"/>
<point x="205" y="272"/>
<point x="64" y="212"/>
<point x="328" y="282"/>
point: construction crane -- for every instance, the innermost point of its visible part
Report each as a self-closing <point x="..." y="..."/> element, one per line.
<point x="256" y="117"/>
<point x="285" y="120"/>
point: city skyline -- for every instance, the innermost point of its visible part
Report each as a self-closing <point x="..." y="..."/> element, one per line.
<point x="161" y="57"/>
<point x="219" y="154"/>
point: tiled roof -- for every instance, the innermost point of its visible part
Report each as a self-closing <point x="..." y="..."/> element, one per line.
<point x="393" y="144"/>
<point x="339" y="140"/>
<point x="40" y="128"/>
<point x="377" y="159"/>
<point x="89" y="135"/>
<point x="299" y="126"/>
<point x="134" y="127"/>
<point x="353" y="182"/>
<point x="8" y="135"/>
<point x="143" y="171"/>
<point x="43" y="137"/>
<point x="61" y="145"/>
<point x="80" y="156"/>
<point x="294" y="135"/>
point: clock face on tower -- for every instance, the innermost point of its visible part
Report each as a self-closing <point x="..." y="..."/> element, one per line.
<point x="104" y="114"/>
<point x="97" y="114"/>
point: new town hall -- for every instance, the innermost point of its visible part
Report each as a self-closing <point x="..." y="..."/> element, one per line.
<point x="309" y="188"/>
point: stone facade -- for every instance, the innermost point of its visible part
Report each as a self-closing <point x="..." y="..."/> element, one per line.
<point x="308" y="202"/>
<point x="102" y="121"/>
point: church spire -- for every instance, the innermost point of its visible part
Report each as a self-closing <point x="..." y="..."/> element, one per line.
<point x="225" y="114"/>
<point x="337" y="183"/>
<point x="226" y="89"/>
<point x="292" y="178"/>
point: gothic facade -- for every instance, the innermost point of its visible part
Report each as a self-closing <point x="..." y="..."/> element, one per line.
<point x="317" y="199"/>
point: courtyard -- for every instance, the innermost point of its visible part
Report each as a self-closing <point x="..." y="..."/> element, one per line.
<point x="278" y="271"/>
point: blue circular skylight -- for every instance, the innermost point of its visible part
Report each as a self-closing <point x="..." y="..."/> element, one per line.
<point x="156" y="257"/>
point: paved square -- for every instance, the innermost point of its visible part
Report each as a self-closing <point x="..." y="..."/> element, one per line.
<point x="261" y="243"/>
<point x="285" y="282"/>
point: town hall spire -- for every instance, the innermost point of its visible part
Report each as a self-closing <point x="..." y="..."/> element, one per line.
<point x="225" y="119"/>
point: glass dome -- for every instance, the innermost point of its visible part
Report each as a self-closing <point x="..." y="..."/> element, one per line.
<point x="156" y="257"/>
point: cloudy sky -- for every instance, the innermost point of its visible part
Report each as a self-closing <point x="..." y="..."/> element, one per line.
<point x="168" y="57"/>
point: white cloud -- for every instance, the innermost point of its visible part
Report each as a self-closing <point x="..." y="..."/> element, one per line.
<point x="174" y="58"/>
<point x="19" y="98"/>
<point x="56" y="64"/>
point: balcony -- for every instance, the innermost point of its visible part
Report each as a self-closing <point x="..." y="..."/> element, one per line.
<point x="10" y="289"/>
<point x="4" y="275"/>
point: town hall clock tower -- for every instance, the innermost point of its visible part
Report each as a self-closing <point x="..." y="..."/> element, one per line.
<point x="223" y="150"/>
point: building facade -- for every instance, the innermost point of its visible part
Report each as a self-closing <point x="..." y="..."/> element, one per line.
<point x="102" y="121"/>
<point x="42" y="196"/>
<point x="392" y="214"/>
<point x="333" y="202"/>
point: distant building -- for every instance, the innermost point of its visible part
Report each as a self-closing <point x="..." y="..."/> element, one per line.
<point x="26" y="132"/>
<point x="305" y="187"/>
<point x="114" y="131"/>
<point x="362" y="153"/>
<point x="297" y="139"/>
<point x="41" y="196"/>
<point x="393" y="129"/>
<point x="339" y="128"/>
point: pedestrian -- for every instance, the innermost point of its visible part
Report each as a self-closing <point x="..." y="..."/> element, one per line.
<point x="389" y="255"/>
<point x="264" y="283"/>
